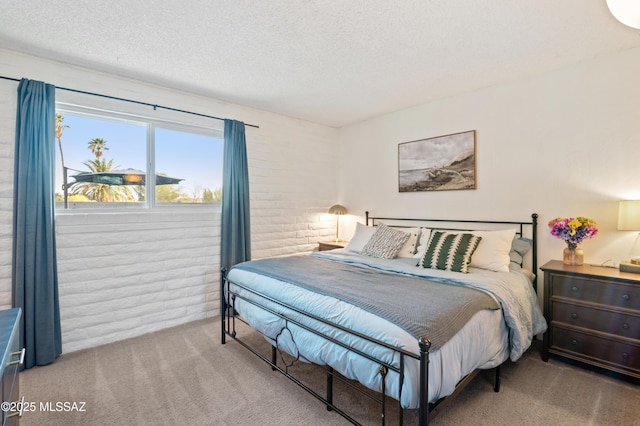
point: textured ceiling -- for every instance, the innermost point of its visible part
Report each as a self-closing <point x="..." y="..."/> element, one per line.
<point x="332" y="62"/>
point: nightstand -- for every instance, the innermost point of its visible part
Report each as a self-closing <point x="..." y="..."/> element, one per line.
<point x="593" y="314"/>
<point x="330" y="245"/>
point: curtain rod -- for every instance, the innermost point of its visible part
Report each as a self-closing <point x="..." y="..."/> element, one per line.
<point x="155" y="106"/>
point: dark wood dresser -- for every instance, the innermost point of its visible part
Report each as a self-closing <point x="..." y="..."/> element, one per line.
<point x="12" y="360"/>
<point x="593" y="314"/>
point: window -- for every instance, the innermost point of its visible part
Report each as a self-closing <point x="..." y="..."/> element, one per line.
<point x="103" y="160"/>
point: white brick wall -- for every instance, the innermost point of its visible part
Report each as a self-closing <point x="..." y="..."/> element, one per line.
<point x="7" y="135"/>
<point x="126" y="274"/>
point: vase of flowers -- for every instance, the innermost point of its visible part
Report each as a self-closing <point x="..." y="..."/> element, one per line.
<point x="573" y="230"/>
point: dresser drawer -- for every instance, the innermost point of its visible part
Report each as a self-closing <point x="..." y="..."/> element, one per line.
<point x="10" y="393"/>
<point x="597" y="350"/>
<point x="11" y="361"/>
<point x="620" y="324"/>
<point x="596" y="291"/>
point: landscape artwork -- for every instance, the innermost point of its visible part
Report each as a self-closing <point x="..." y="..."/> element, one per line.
<point x="438" y="164"/>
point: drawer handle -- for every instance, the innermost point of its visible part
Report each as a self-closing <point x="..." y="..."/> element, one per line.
<point x="575" y="289"/>
<point x="625" y="355"/>
<point x="21" y="360"/>
<point x="574" y="342"/>
<point x="574" y="315"/>
<point x="625" y="297"/>
<point x="19" y="412"/>
<point x="625" y="326"/>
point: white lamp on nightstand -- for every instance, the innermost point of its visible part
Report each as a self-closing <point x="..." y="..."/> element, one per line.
<point x="629" y="220"/>
<point x="338" y="210"/>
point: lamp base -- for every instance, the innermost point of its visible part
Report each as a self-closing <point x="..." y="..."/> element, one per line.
<point x="629" y="267"/>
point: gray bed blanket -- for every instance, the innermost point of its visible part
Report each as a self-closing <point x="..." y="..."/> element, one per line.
<point x="422" y="307"/>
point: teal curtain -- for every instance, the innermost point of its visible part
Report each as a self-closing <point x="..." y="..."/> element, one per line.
<point x="34" y="273"/>
<point x="235" y="235"/>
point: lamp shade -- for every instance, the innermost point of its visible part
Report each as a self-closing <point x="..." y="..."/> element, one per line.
<point x="629" y="215"/>
<point x="626" y="11"/>
<point x="337" y="209"/>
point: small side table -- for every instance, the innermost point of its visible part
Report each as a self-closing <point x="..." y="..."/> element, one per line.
<point x="330" y="245"/>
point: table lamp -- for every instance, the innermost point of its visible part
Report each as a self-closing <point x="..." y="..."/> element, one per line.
<point x="629" y="220"/>
<point x="338" y="210"/>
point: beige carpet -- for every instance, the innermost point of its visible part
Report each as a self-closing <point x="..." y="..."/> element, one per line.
<point x="184" y="376"/>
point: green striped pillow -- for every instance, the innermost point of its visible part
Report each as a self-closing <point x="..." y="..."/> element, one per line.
<point x="449" y="252"/>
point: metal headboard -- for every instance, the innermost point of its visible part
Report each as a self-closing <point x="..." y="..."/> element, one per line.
<point x="464" y="225"/>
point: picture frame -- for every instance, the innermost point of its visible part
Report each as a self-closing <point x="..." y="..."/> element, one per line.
<point x="440" y="163"/>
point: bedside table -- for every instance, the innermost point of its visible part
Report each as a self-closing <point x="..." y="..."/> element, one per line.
<point x="330" y="245"/>
<point x="593" y="314"/>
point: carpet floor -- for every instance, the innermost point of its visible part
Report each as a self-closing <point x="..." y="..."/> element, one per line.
<point x="184" y="376"/>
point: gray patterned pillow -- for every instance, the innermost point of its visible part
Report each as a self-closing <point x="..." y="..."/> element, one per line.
<point x="385" y="243"/>
<point x="450" y="252"/>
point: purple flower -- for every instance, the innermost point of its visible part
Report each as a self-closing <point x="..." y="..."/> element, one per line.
<point x="573" y="230"/>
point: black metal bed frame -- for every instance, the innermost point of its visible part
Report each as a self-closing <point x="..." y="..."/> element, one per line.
<point x="427" y="410"/>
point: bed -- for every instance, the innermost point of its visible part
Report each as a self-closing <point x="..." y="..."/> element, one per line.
<point x="411" y="317"/>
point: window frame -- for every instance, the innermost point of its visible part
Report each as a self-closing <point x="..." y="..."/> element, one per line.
<point x="150" y="124"/>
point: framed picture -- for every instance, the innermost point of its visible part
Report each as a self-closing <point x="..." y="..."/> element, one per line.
<point x="438" y="164"/>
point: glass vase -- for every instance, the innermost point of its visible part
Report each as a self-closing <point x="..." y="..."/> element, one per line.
<point x="573" y="255"/>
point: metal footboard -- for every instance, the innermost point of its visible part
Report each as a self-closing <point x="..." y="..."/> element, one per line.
<point x="228" y="328"/>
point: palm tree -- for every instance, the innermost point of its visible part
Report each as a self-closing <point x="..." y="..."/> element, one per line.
<point x="59" y="129"/>
<point x="97" y="145"/>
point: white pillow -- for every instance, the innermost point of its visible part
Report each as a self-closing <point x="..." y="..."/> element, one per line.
<point x="361" y="236"/>
<point x="409" y="248"/>
<point x="493" y="251"/>
<point x="423" y="242"/>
